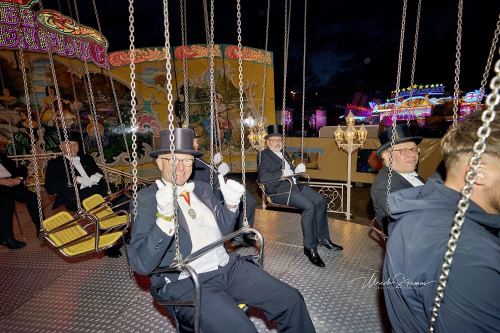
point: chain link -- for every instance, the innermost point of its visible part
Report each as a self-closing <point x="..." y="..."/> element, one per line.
<point x="458" y="46"/>
<point x="487" y="68"/>
<point x="303" y="85"/>
<point x="414" y="59"/>
<point x="133" y="104"/>
<point x="93" y="111"/>
<point x="242" y="127"/>
<point x="30" y="121"/>
<point x="263" y="101"/>
<point x="288" y="11"/>
<point x="213" y="93"/>
<point x="396" y="102"/>
<point x="171" y="120"/>
<point x="185" y="68"/>
<point x="488" y="115"/>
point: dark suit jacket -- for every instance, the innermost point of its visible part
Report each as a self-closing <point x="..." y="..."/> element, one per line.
<point x="151" y="248"/>
<point x="56" y="181"/>
<point x="269" y="169"/>
<point x="10" y="165"/>
<point x="379" y="192"/>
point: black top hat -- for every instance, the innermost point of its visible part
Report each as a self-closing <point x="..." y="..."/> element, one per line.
<point x="274" y="130"/>
<point x="73" y="136"/>
<point x="183" y="142"/>
<point x="402" y="134"/>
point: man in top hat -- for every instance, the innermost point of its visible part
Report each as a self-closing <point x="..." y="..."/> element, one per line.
<point x="405" y="154"/>
<point x="226" y="280"/>
<point x="89" y="176"/>
<point x="201" y="172"/>
<point x="12" y="189"/>
<point x="272" y="168"/>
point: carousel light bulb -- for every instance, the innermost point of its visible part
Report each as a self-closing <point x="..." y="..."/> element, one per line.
<point x="350" y="120"/>
<point x="339" y="135"/>
<point x="362" y="134"/>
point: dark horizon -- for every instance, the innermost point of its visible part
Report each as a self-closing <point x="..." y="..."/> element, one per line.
<point x="351" y="46"/>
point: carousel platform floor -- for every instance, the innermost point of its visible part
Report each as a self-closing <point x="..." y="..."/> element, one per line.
<point x="43" y="292"/>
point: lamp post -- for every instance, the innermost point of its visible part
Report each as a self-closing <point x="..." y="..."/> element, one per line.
<point x="350" y="140"/>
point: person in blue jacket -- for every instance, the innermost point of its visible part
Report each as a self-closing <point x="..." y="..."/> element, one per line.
<point x="418" y="241"/>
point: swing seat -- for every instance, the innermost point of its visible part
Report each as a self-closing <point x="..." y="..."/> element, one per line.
<point x="267" y="198"/>
<point x="69" y="235"/>
<point x="108" y="219"/>
<point x="184" y="266"/>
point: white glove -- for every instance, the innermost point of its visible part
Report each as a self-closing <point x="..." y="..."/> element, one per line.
<point x="164" y="199"/>
<point x="223" y="168"/>
<point x="95" y="178"/>
<point x="84" y="182"/>
<point x="287" y="172"/>
<point x="300" y="168"/>
<point x="231" y="191"/>
<point x="217" y="158"/>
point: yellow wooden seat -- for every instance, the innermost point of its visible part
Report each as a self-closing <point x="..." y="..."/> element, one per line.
<point x="108" y="219"/>
<point x="69" y="235"/>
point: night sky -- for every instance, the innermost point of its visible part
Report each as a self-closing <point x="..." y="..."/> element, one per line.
<point x="352" y="46"/>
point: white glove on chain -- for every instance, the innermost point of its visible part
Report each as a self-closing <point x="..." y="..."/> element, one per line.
<point x="84" y="182"/>
<point x="287" y="172"/>
<point x="232" y="191"/>
<point x="217" y="158"/>
<point x="95" y="178"/>
<point x="300" y="168"/>
<point x="223" y="168"/>
<point x="164" y="199"/>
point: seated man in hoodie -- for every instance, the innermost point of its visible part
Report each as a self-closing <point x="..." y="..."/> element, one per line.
<point x="201" y="172"/>
<point x="416" y="247"/>
<point x="405" y="154"/>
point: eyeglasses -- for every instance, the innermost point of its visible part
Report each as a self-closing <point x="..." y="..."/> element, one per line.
<point x="186" y="162"/>
<point x="406" y="151"/>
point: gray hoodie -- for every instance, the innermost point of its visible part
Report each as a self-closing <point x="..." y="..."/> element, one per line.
<point x="415" y="249"/>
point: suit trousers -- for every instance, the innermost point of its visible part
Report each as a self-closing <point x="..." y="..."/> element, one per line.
<point x="314" y="213"/>
<point x="8" y="198"/>
<point x="240" y="281"/>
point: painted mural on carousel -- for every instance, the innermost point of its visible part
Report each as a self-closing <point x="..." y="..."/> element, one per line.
<point x="152" y="98"/>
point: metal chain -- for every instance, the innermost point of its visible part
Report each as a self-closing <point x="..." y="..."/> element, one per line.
<point x="414" y="59"/>
<point x="242" y="126"/>
<point x="63" y="121"/>
<point x="213" y="93"/>
<point x="133" y="104"/>
<point x="94" y="111"/>
<point x="30" y="121"/>
<point x="303" y="85"/>
<point x="77" y="113"/>
<point x="115" y="98"/>
<point x="396" y="101"/>
<point x="263" y="101"/>
<point x="288" y="11"/>
<point x="487" y="68"/>
<point x="171" y="120"/>
<point x="458" y="46"/>
<point x="488" y="115"/>
<point x="185" y="68"/>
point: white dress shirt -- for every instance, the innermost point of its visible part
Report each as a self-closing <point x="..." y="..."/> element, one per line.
<point x="412" y="177"/>
<point x="78" y="166"/>
<point x="4" y="173"/>
<point x="288" y="168"/>
<point x="203" y="230"/>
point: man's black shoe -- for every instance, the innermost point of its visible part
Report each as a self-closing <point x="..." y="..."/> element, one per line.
<point x="12" y="243"/>
<point x="329" y="245"/>
<point x="113" y="252"/>
<point x="313" y="256"/>
<point x="249" y="239"/>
